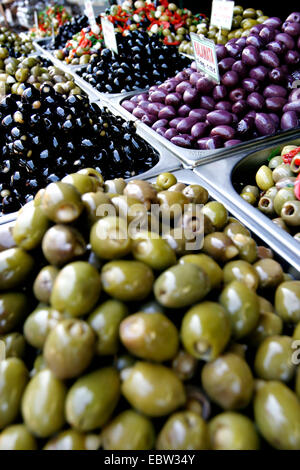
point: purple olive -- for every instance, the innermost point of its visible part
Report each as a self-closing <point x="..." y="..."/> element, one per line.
<point x="160" y="123"/>
<point x="158" y="96"/>
<point x="255" y="101"/>
<point x="224" y="106"/>
<point x="153" y="88"/>
<point x="184" y="110"/>
<point x="207" y="102"/>
<point x="275" y="119"/>
<point x="250" y="84"/>
<point x="267" y="34"/>
<point x="128" y="105"/>
<point x="144" y="105"/>
<point x="226" y="132"/>
<point x="135" y="99"/>
<point x="294" y="95"/>
<point x="245" y="126"/>
<point x="289" y="120"/>
<point x="240" y="68"/>
<point x="195" y="77"/>
<point x="259" y="73"/>
<point x="226" y="64"/>
<point x="277" y="75"/>
<point x="293" y="29"/>
<point x="237" y="94"/>
<point x="270" y="58"/>
<point x="173" y="123"/>
<point x="216" y="118"/>
<point x="190" y="95"/>
<point x="221" y="51"/>
<point x="138" y="112"/>
<point x="170" y="85"/>
<point x="251" y="114"/>
<point x="275" y="103"/>
<point x="173" y="99"/>
<point x="241" y="42"/>
<point x="230" y="78"/>
<point x="277" y="47"/>
<point x="286" y="39"/>
<point x="170" y="133"/>
<point x="274" y="90"/>
<point x="264" y="124"/>
<point x="232" y="142"/>
<point x="185" y="125"/>
<point x="183" y="140"/>
<point x="219" y="92"/>
<point x="204" y="85"/>
<point x="233" y="50"/>
<point x="274" y="22"/>
<point x="142" y="97"/>
<point x="254" y="40"/>
<point x="250" y="55"/>
<point x="210" y="143"/>
<point x="292" y="57"/>
<point x="199" y="130"/>
<point x="294" y="17"/>
<point x="154" y="108"/>
<point x="198" y="113"/>
<point x="181" y="76"/>
<point x="148" y="119"/>
<point x="161" y="131"/>
<point x="182" y="86"/>
<point x="292" y="106"/>
<point x="256" y="29"/>
<point x="168" y="112"/>
<point x="239" y="107"/>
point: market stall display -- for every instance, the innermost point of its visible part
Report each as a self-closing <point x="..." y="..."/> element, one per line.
<point x="49" y="20"/>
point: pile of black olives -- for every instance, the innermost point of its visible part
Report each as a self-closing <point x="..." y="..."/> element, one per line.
<point x="67" y="31"/>
<point x="126" y="340"/>
<point x="141" y="60"/>
<point x="45" y="135"/>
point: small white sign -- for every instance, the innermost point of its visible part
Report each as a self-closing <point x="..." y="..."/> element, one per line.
<point x="109" y="35"/>
<point x="89" y="10"/>
<point x="221" y="14"/>
<point x="205" y="56"/>
<point x="36" y="21"/>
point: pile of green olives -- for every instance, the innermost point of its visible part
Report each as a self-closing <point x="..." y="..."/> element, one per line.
<point x="16" y="73"/>
<point x="14" y="44"/>
<point x="243" y="20"/>
<point x="274" y="191"/>
<point x="127" y="340"/>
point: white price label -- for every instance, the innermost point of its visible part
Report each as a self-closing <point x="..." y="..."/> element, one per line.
<point x="89" y="10"/>
<point x="2" y="350"/>
<point x="109" y="35"/>
<point x="205" y="56"/>
<point x="221" y="14"/>
<point x="36" y="21"/>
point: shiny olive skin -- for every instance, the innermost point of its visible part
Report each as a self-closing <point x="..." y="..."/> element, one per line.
<point x="15" y="267"/>
<point x="290" y="213"/>
<point x="61" y="202"/>
<point x="287" y="301"/>
<point x="228" y="381"/>
<point x="76" y="289"/>
<point x="209" y="266"/>
<point x="166" y="180"/>
<point x="30" y="227"/>
<point x="6" y="239"/>
<point x="205" y="330"/>
<point x="43" y="284"/>
<point x="241" y="271"/>
<point x="232" y="431"/>
<point x="269" y="324"/>
<point x="242" y="306"/>
<point x="39" y="324"/>
<point x="82" y="182"/>
<point x="73" y="440"/>
<point x="251" y="189"/>
<point x="235" y="227"/>
<point x="13" y="380"/>
<point x="153" y="389"/>
<point x="43" y="404"/>
<point x="13" y="308"/>
<point x="248" y="197"/>
<point x="128" y="431"/>
<point x="17" y="437"/>
<point x="102" y="390"/>
<point x="127" y="280"/>
<point x="153" y="251"/>
<point x="284" y="195"/>
<point x="69" y="348"/>
<point x="109" y="238"/>
<point x="270" y="273"/>
<point x="171" y="202"/>
<point x="220" y="247"/>
<point x="153" y="337"/>
<point x="181" y="286"/>
<point x="273" y="360"/>
<point x="246" y="246"/>
<point x="217" y="214"/>
<point x="105" y="321"/>
<point x="278" y="423"/>
<point x="183" y="430"/>
<point x="14" y="345"/>
<point x="62" y="244"/>
<point x="264" y="178"/>
<point x="196" y="194"/>
<point x="94" y="204"/>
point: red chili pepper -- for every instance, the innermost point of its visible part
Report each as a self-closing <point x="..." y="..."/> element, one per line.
<point x="288" y="157"/>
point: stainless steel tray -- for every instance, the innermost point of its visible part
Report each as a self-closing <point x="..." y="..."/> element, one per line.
<point x="217" y="176"/>
<point x="261" y="232"/>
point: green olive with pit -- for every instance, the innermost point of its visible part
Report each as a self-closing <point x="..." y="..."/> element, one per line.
<point x="61" y="202"/>
<point x="290" y="213"/>
<point x="283" y="195"/>
<point x="235" y="227"/>
<point x="281" y="171"/>
<point x="269" y="272"/>
<point x="246" y="246"/>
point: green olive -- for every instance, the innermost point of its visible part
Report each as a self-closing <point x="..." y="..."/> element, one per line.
<point x="153" y="337"/>
<point x="209" y="266"/>
<point x="266" y="205"/>
<point x="166" y="180"/>
<point x="251" y="189"/>
<point x="232" y="431"/>
<point x="277" y="415"/>
<point x="128" y="431"/>
<point x="269" y="324"/>
<point x="39" y="323"/>
<point x="76" y="289"/>
<point x="205" y="330"/>
<point x="269" y="272"/>
<point x="44" y="282"/>
<point x="283" y="195"/>
<point x="17" y="437"/>
<point x="281" y="171"/>
<point x="82" y="182"/>
<point x="217" y="214"/>
<point x="30" y="227"/>
<point x="73" y="440"/>
<point x="109" y="238"/>
<point x="264" y="178"/>
<point x="61" y="202"/>
<point x="246" y="246"/>
<point x="275" y="161"/>
<point x="273" y="360"/>
<point x="153" y="250"/>
<point x="102" y="387"/>
<point x="281" y="223"/>
<point x="220" y="247"/>
<point x="290" y="213"/>
<point x="95" y="205"/>
<point x="15" y="267"/>
<point x="62" y="244"/>
<point x="13" y="379"/>
<point x="228" y="381"/>
<point x="196" y="194"/>
<point x="14" y="345"/>
<point x="242" y="306"/>
<point x="241" y="271"/>
<point x="234" y="228"/>
<point x="184" y="430"/>
<point x="287" y="301"/>
<point x="153" y="389"/>
<point x="13" y="308"/>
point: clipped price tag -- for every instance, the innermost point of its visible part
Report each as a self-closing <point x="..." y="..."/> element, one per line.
<point x="221" y="14"/>
<point x="2" y="350"/>
<point x="109" y="35"/>
<point x="88" y="5"/>
<point x="205" y="56"/>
